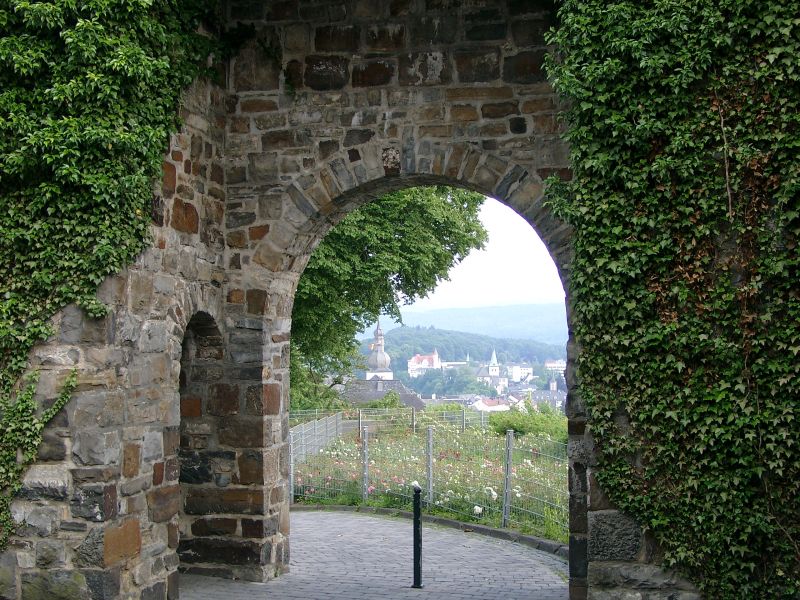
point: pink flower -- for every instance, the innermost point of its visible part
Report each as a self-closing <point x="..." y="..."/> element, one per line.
<point x="370" y="489"/>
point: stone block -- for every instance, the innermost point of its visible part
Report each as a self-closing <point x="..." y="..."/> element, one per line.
<point x="96" y="447"/>
<point x="206" y="527"/>
<point x="94" y="502"/>
<point x="241" y="432"/>
<point x="485" y="32"/>
<point x="373" y="73"/>
<point x="223" y="399"/>
<point x="251" y="468"/>
<point x="337" y="38"/>
<point x="164" y="503"/>
<point x="386" y="38"/>
<point x="326" y="72"/>
<point x="355" y="137"/>
<point x="636" y="576"/>
<point x="434" y="31"/>
<point x="525" y="67"/>
<point x="252" y="71"/>
<point x="90" y="551"/>
<point x="50" y="554"/>
<point x="202" y="501"/>
<point x="191" y="407"/>
<point x="53" y="585"/>
<point x="8" y="576"/>
<point x="46" y="481"/>
<point x="157" y="591"/>
<point x="227" y="551"/>
<point x="153" y="445"/>
<point x="103" y="584"/>
<point x="613" y="536"/>
<point x="131" y="457"/>
<point x="122" y="542"/>
<point x="478" y="65"/>
<point x="424" y="68"/>
<point x="184" y="217"/>
<point x="531" y="32"/>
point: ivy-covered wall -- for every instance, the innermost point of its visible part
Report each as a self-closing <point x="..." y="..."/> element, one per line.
<point x="684" y="128"/>
<point x="683" y="266"/>
<point x="89" y="93"/>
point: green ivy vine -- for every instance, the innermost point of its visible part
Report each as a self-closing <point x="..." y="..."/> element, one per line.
<point x="684" y="126"/>
<point x="89" y="92"/>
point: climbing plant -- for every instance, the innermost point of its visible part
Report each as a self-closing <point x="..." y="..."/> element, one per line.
<point x="684" y="126"/>
<point x="89" y="93"/>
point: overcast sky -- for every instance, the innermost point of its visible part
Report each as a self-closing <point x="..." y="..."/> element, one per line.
<point x="514" y="268"/>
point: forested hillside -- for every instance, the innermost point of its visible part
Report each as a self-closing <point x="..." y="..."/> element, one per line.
<point x="404" y="342"/>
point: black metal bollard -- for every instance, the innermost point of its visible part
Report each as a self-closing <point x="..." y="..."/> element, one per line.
<point x="417" y="537"/>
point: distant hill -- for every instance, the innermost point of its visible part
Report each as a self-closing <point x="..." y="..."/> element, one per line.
<point x="543" y="322"/>
<point x="404" y="342"/>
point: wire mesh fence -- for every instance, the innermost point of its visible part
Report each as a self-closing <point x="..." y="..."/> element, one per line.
<point x="463" y="468"/>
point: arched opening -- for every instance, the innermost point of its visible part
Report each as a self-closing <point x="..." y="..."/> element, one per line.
<point x="223" y="526"/>
<point x="522" y="205"/>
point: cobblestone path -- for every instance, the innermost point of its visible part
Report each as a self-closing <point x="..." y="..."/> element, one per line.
<point x="365" y="557"/>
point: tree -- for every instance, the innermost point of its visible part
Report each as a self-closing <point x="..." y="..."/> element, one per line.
<point x="389" y="252"/>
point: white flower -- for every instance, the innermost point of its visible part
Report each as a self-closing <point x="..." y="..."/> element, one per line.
<point x="477" y="509"/>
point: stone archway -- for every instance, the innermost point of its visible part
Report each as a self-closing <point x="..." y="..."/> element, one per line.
<point x="329" y="105"/>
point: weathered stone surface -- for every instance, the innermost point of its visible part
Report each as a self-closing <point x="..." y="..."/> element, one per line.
<point x="525" y="67"/>
<point x="90" y="552"/>
<point x="46" y="481"/>
<point x="613" y="536"/>
<point x="96" y="447"/>
<point x="94" y="502"/>
<point x="164" y="503"/>
<point x="241" y="432"/>
<point x="121" y="542"/>
<point x="372" y="73"/>
<point x="53" y="585"/>
<point x="205" y="527"/>
<point x="103" y="584"/>
<point x="201" y="501"/>
<point x="8" y="576"/>
<point x="223" y="399"/>
<point x="635" y="576"/>
<point x="326" y="72"/>
<point x="184" y="217"/>
<point x="337" y="38"/>
<point x="386" y="38"/>
<point x="251" y="468"/>
<point x="209" y="550"/>
<point x="479" y="65"/>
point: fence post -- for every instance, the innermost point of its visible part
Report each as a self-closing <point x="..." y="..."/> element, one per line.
<point x="507" y="480"/>
<point x="463" y="419"/>
<point x="359" y="420"/>
<point x="365" y="464"/>
<point x="430" y="466"/>
<point x="291" y="467"/>
<point x="413" y="420"/>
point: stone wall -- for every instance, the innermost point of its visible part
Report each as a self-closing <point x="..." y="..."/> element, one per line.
<point x="173" y="451"/>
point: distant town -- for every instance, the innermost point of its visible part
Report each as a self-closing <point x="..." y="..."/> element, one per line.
<point x="480" y="382"/>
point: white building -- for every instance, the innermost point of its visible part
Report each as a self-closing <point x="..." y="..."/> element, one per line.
<point x="420" y="363"/>
<point x="556" y="366"/>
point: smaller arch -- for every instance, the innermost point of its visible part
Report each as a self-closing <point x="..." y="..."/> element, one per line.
<point x="223" y="532"/>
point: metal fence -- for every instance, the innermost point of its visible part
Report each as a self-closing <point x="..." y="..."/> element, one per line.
<point x="462" y="468"/>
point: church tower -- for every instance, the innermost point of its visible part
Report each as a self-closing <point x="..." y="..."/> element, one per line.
<point x="378" y="361"/>
<point x="494" y="366"/>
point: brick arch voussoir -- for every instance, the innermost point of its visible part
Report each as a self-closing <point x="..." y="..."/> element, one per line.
<point x="340" y="185"/>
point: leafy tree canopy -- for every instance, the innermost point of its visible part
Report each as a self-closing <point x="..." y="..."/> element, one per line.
<point x="389" y="252"/>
